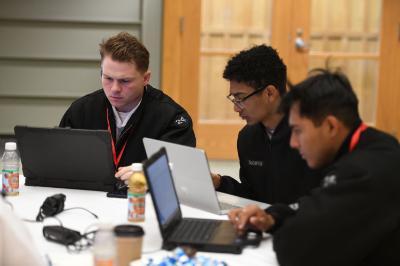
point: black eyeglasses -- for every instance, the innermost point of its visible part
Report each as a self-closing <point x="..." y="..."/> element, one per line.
<point x="239" y="101"/>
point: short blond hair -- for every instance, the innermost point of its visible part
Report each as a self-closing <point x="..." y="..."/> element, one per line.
<point x="125" y="47"/>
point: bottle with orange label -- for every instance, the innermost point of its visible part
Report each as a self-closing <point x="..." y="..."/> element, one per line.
<point x="10" y="171"/>
<point x="137" y="188"/>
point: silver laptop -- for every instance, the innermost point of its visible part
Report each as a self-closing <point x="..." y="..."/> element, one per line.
<point x="192" y="178"/>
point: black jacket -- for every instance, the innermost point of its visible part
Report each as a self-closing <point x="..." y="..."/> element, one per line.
<point x="157" y="116"/>
<point x="354" y="218"/>
<point x="270" y="170"/>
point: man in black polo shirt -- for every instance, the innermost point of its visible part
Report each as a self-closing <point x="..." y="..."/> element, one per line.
<point x="270" y="170"/>
<point x="127" y="106"/>
<point x="354" y="217"/>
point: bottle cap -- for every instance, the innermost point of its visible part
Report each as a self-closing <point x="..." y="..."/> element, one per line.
<point x="128" y="230"/>
<point x="11" y="146"/>
<point x="137" y="167"/>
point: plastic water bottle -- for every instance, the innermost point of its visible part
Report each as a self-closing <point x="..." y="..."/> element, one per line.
<point x="10" y="171"/>
<point x="104" y="248"/>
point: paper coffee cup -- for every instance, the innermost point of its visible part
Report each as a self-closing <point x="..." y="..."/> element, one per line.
<point x="129" y="243"/>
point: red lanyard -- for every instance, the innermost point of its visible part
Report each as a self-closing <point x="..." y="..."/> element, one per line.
<point x="356" y="136"/>
<point x="116" y="157"/>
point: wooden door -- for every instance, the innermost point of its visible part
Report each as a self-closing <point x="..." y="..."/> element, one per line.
<point x="340" y="34"/>
<point x="199" y="37"/>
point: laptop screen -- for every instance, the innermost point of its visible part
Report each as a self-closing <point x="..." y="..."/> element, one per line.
<point x="64" y="157"/>
<point x="164" y="196"/>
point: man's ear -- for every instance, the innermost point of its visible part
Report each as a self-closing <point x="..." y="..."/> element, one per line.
<point x="146" y="77"/>
<point x="271" y="92"/>
<point x="332" y="125"/>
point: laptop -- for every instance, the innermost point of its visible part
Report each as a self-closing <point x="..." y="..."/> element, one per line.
<point x="202" y="234"/>
<point x="66" y="158"/>
<point x="193" y="181"/>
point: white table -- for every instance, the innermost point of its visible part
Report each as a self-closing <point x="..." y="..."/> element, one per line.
<point x="114" y="211"/>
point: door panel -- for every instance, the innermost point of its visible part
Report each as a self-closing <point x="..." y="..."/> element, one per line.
<point x="344" y="35"/>
<point x="226" y="28"/>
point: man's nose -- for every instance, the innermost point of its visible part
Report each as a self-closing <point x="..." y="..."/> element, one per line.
<point x="236" y="108"/>
<point x="294" y="142"/>
<point x="115" y="87"/>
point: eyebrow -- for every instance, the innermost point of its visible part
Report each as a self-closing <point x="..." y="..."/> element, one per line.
<point x="126" y="78"/>
<point x="237" y="93"/>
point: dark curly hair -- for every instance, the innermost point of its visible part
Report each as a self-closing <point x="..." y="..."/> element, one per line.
<point x="257" y="67"/>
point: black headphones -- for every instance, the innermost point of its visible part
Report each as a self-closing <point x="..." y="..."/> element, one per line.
<point x="58" y="233"/>
<point x="51" y="206"/>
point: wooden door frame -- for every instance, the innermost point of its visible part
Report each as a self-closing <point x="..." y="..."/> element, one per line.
<point x="181" y="37"/>
<point x="388" y="117"/>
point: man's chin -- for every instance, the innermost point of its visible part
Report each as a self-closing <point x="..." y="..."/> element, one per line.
<point x="250" y="122"/>
<point x="114" y="102"/>
<point x="117" y="106"/>
<point x="312" y="164"/>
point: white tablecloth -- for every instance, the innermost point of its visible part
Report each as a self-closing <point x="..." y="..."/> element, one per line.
<point x="114" y="211"/>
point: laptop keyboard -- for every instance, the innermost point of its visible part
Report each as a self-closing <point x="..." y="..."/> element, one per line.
<point x="195" y="230"/>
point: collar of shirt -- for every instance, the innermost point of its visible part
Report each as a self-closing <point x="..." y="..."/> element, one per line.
<point x="270" y="132"/>
<point x="344" y="148"/>
<point x="122" y="118"/>
<point x="280" y="132"/>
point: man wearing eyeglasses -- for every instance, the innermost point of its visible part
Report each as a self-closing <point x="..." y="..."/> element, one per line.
<point x="270" y="171"/>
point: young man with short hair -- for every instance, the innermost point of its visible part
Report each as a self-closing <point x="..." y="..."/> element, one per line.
<point x="354" y="217"/>
<point x="270" y="171"/>
<point x="127" y="106"/>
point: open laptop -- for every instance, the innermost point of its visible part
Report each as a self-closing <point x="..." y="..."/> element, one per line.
<point x="67" y="158"/>
<point x="202" y="234"/>
<point x="192" y="178"/>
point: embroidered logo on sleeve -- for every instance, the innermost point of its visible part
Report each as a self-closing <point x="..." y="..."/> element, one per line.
<point x="329" y="180"/>
<point x="294" y="206"/>
<point x="181" y="121"/>
<point x="255" y="163"/>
